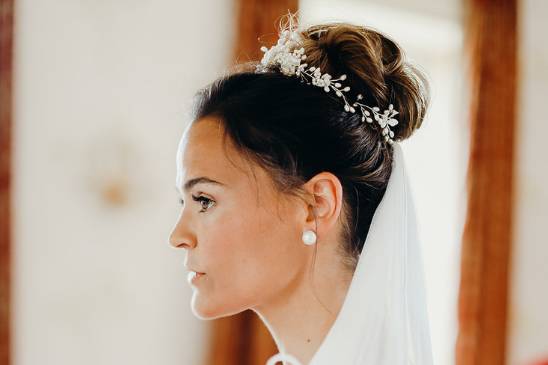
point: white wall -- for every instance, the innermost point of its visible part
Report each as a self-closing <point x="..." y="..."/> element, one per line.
<point x="528" y="325"/>
<point x="101" y="92"/>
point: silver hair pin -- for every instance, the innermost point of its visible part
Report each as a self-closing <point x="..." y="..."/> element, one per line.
<point x="288" y="53"/>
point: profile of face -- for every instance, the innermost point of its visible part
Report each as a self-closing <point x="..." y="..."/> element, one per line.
<point x="235" y="227"/>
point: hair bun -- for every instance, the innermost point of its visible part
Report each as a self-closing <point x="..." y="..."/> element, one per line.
<point x="376" y="68"/>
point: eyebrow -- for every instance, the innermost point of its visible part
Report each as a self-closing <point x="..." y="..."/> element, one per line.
<point x="201" y="180"/>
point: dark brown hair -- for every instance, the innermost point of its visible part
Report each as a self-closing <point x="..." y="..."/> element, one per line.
<point x="295" y="131"/>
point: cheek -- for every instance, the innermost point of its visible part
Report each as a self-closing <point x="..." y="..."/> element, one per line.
<point x="249" y="258"/>
<point x="240" y="255"/>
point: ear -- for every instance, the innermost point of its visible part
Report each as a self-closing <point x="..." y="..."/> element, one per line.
<point x="325" y="206"/>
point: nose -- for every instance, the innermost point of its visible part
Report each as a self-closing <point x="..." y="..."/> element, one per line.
<point x="180" y="236"/>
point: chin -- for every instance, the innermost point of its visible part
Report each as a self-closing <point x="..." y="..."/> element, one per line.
<point x="207" y="310"/>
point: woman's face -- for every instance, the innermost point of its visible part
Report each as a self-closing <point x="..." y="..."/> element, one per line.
<point x="244" y="236"/>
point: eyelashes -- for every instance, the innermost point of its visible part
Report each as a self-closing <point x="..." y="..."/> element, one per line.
<point x="201" y="199"/>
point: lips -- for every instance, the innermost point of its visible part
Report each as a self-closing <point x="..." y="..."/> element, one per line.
<point x="193" y="276"/>
<point x="191" y="269"/>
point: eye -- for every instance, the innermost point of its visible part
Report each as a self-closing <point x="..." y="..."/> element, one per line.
<point x="202" y="199"/>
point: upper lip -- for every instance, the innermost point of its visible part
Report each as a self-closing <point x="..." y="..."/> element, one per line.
<point x="191" y="269"/>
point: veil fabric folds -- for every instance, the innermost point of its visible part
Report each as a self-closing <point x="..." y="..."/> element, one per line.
<point x="383" y="320"/>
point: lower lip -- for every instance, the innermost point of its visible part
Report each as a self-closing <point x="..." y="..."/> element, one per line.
<point x="193" y="277"/>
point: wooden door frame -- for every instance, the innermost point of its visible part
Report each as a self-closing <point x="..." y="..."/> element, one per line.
<point x="491" y="45"/>
<point x="6" y="105"/>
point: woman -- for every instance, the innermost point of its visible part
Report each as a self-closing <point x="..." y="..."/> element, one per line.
<point x="295" y="200"/>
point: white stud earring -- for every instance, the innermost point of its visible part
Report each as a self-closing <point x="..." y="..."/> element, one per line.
<point x="309" y="237"/>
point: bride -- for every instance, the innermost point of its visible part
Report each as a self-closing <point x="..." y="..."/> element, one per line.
<point x="296" y="202"/>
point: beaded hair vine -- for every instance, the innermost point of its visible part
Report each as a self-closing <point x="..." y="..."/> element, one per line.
<point x="287" y="55"/>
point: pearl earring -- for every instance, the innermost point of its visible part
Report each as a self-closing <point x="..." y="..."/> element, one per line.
<point x="309" y="237"/>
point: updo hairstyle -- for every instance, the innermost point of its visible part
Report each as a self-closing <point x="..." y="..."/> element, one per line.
<point x="295" y="131"/>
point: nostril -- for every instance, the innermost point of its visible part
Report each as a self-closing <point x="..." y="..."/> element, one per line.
<point x="178" y="243"/>
<point x="174" y="243"/>
<point x="180" y="238"/>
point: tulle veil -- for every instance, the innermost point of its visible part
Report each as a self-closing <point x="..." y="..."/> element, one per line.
<point x="383" y="320"/>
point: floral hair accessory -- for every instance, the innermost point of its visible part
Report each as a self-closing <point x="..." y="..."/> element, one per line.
<point x="288" y="54"/>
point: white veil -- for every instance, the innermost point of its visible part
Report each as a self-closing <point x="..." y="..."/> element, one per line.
<point x="383" y="320"/>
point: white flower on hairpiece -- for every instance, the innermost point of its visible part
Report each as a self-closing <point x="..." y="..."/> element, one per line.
<point x="287" y="55"/>
<point x="385" y="120"/>
<point x="281" y="55"/>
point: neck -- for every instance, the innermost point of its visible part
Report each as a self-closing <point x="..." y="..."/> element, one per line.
<point x="300" y="319"/>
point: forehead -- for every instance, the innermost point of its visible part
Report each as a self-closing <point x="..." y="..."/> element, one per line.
<point x="201" y="153"/>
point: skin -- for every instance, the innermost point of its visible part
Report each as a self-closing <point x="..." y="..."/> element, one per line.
<point x="247" y="241"/>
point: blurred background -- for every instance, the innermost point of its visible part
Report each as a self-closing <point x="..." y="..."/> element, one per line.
<point x="95" y="96"/>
